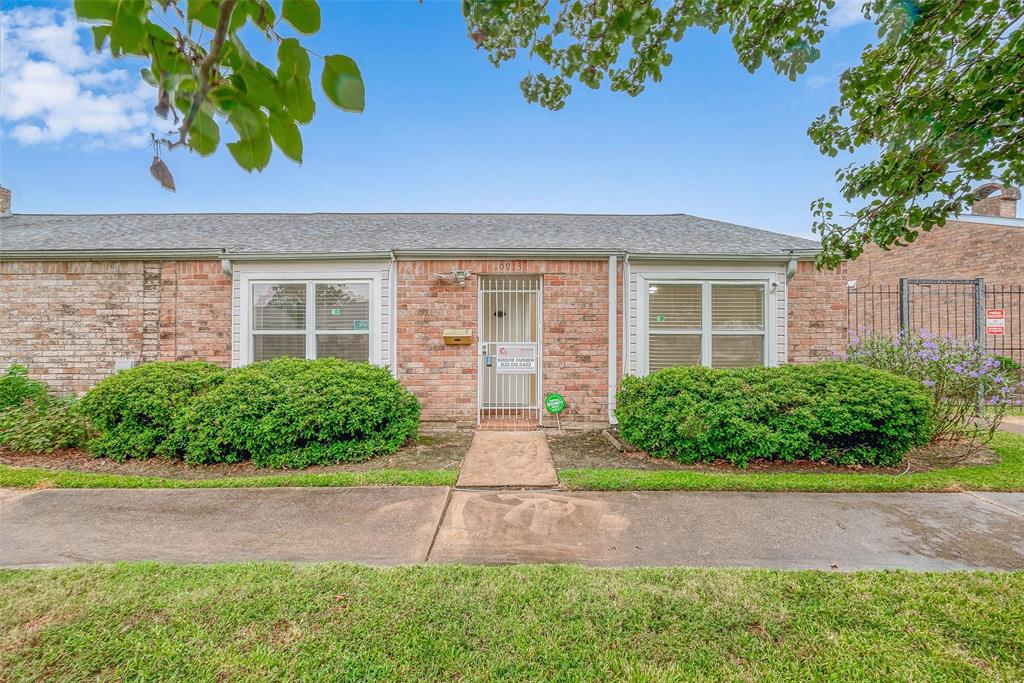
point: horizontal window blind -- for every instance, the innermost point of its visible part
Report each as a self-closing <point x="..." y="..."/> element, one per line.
<point x="669" y="350"/>
<point x="344" y="346"/>
<point x="718" y="324"/>
<point x="675" y="306"/>
<point x="737" y="307"/>
<point x="342" y="306"/>
<point x="279" y="306"/>
<point x="267" y="346"/>
<point x="311" y="320"/>
<point x="737" y="351"/>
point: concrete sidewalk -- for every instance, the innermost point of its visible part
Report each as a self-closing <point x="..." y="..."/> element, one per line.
<point x="401" y="525"/>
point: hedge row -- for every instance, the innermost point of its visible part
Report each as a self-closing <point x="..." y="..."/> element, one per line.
<point x="34" y="420"/>
<point x="281" y="413"/>
<point x="834" y="411"/>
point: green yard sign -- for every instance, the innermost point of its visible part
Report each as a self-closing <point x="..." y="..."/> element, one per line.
<point x="555" y="403"/>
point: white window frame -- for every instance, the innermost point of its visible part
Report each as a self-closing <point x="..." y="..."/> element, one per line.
<point x="767" y="281"/>
<point x="248" y="280"/>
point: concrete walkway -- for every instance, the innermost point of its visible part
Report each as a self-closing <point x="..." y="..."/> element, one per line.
<point x="435" y="524"/>
<point x="508" y="460"/>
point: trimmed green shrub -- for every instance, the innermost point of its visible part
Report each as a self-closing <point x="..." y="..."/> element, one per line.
<point x="134" y="410"/>
<point x="835" y="411"/>
<point x="290" y="412"/>
<point x="42" y="425"/>
<point x="16" y="387"/>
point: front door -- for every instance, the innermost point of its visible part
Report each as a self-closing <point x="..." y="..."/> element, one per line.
<point x="510" y="349"/>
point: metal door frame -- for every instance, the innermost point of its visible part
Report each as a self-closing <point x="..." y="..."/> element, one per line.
<point x="538" y="293"/>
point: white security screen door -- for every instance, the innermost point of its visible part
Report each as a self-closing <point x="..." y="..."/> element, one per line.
<point x="510" y="353"/>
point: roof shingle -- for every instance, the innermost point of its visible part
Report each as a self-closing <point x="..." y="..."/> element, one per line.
<point x="333" y="233"/>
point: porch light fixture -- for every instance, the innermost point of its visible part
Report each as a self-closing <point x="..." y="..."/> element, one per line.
<point x="455" y="276"/>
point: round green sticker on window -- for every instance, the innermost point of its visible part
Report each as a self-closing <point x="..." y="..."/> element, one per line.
<point x="660" y="318"/>
<point x="555" y="403"/>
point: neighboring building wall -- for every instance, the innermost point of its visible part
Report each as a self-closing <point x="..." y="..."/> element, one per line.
<point x="68" y="321"/>
<point x="960" y="249"/>
<point x="575" y="335"/>
<point x="819" y="301"/>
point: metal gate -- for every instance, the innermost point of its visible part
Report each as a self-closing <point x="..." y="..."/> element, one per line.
<point x="941" y="306"/>
<point x="510" y="350"/>
<point x="947" y="307"/>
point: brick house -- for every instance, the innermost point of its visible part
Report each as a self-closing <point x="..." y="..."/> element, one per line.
<point x="481" y="316"/>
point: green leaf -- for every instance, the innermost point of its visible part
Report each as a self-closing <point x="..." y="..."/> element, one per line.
<point x="262" y="13"/>
<point x="262" y="85"/>
<point x="96" y="10"/>
<point x="203" y="11"/>
<point x="286" y="135"/>
<point x="99" y="36"/>
<point x="304" y="15"/>
<point x="252" y="151"/>
<point x="128" y="27"/>
<point x="252" y="154"/>
<point x="293" y="77"/>
<point x="204" y="135"/>
<point x="343" y="83"/>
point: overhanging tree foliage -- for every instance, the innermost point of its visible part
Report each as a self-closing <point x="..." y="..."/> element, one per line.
<point x="203" y="72"/>
<point x="940" y="94"/>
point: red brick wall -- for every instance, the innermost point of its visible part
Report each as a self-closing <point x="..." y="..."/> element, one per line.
<point x="575" y="335"/>
<point x="960" y="250"/>
<point x="69" y="321"/>
<point x="576" y="338"/>
<point x="817" y="313"/>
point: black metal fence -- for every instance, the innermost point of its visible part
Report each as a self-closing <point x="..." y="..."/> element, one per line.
<point x="956" y="308"/>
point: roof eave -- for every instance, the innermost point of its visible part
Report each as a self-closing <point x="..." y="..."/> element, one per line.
<point x="213" y="254"/>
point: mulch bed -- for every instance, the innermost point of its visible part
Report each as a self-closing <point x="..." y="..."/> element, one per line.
<point x="445" y="451"/>
<point x="442" y="451"/>
<point x="593" y="449"/>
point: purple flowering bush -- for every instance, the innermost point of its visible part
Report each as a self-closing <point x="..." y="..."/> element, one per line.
<point x="957" y="373"/>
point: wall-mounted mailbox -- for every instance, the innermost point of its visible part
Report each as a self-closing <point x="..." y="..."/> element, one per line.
<point x="458" y="337"/>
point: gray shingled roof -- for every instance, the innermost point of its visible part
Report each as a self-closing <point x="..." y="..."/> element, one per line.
<point x="325" y="233"/>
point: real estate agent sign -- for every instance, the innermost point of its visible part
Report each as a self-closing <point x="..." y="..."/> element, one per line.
<point x="516" y="359"/>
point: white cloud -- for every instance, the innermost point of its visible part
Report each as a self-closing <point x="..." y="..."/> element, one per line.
<point x="56" y="88"/>
<point x="846" y="13"/>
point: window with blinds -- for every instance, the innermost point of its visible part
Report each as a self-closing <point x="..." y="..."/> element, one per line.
<point x="716" y="324"/>
<point x="676" y="312"/>
<point x="311" y="320"/>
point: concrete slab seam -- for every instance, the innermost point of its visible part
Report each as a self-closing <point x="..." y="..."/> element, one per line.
<point x="992" y="502"/>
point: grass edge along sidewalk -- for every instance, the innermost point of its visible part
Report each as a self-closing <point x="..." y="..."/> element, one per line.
<point x="341" y="622"/>
<point x="39" y="477"/>
<point x="1006" y="475"/>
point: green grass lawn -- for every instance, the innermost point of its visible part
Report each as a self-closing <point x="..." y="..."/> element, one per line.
<point x="338" y="622"/>
<point x="32" y="477"/>
<point x="1007" y="475"/>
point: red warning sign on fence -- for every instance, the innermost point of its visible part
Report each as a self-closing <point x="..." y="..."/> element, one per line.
<point x="995" y="321"/>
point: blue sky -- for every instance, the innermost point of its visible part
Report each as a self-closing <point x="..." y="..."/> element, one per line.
<point x="443" y="130"/>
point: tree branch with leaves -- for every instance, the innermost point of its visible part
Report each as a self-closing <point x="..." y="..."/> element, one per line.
<point x="203" y="73"/>
<point x="939" y="95"/>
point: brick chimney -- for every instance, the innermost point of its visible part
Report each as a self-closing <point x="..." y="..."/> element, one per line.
<point x="5" y="201"/>
<point x="993" y="199"/>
